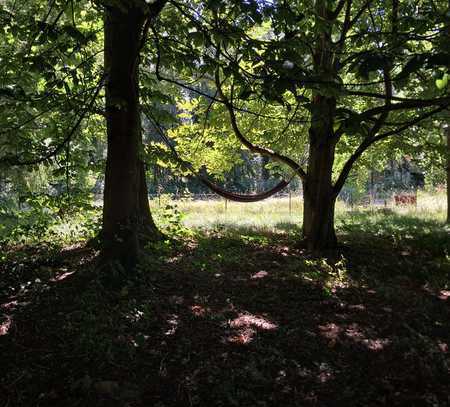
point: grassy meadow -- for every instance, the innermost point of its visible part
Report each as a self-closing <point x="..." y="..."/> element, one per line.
<point x="284" y="213"/>
<point x="45" y="222"/>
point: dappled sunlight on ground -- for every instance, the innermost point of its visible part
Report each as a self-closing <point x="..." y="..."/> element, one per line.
<point x="260" y="274"/>
<point x="334" y="333"/>
<point x="245" y="327"/>
<point x="5" y="325"/>
<point x="235" y="317"/>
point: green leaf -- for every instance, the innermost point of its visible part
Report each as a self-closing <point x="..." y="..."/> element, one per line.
<point x="442" y="83"/>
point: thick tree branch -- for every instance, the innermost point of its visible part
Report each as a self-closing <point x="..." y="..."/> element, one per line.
<point x="337" y="10"/>
<point x="153" y="11"/>
<point x="388" y="100"/>
<point x="406" y="105"/>
<point x="360" y="12"/>
<point x="247" y="143"/>
<point x="394" y="17"/>
<point x="346" y="26"/>
<point x="349" y="165"/>
<point x="371" y="137"/>
<point x="367" y="142"/>
<point x="375" y="95"/>
<point x="350" y="22"/>
<point x="407" y="125"/>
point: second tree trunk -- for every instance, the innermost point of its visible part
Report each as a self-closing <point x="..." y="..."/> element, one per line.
<point x="318" y="193"/>
<point x="126" y="213"/>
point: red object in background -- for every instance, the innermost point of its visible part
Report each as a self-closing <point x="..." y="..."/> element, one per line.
<point x="405" y="200"/>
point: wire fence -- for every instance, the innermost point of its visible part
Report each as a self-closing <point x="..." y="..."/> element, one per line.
<point x="375" y="200"/>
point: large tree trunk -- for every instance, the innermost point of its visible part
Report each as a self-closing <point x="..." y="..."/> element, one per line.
<point x="318" y="194"/>
<point x="126" y="212"/>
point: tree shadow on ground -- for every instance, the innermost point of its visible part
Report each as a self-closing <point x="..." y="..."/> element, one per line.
<point x="233" y="318"/>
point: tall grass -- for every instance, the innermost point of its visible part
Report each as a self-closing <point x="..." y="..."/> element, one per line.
<point x="272" y="215"/>
<point x="284" y="213"/>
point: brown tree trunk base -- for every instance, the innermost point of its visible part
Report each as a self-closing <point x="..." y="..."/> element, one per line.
<point x="318" y="224"/>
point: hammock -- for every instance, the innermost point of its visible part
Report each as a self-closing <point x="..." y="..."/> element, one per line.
<point x="232" y="196"/>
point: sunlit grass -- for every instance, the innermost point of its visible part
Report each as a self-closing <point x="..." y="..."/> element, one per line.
<point x="281" y="214"/>
<point x="270" y="214"/>
<point x="284" y="213"/>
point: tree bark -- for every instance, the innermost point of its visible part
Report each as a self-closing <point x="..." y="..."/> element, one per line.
<point x="126" y="212"/>
<point x="318" y="194"/>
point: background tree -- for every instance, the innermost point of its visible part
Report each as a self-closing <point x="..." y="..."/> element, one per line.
<point x="50" y="116"/>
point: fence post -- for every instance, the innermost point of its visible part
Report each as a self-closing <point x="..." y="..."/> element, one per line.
<point x="290" y="203"/>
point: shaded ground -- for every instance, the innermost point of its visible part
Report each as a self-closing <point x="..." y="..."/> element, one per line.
<point x="233" y="318"/>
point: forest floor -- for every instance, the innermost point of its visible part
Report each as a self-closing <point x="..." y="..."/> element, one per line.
<point x="233" y="317"/>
